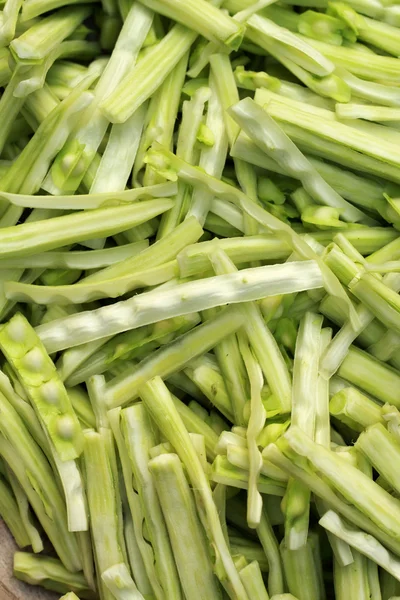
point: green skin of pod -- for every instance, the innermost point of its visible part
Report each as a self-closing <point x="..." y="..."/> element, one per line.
<point x="37" y="374"/>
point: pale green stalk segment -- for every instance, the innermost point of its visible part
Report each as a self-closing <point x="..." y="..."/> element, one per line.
<point x="203" y="17"/>
<point x="352" y="578"/>
<point x="263" y="31"/>
<point x="94" y="200"/>
<point x="120" y="153"/>
<point x="273" y="141"/>
<point x="186" y="298"/>
<point x="363" y="542"/>
<point x="253" y="582"/>
<point x="26" y="238"/>
<point x="150" y="72"/>
<point x="10" y="107"/>
<point x="382" y="450"/>
<point x="160" y="406"/>
<point x="38" y="376"/>
<point x="161" y="118"/>
<point x="270" y="546"/>
<point x="10" y="514"/>
<point x="162" y="251"/>
<point x="87" y="292"/>
<point x="120" y="583"/>
<point x="192" y="117"/>
<point x="322" y="417"/>
<point x="354" y="485"/>
<point x="102" y="500"/>
<point x="49" y="573"/>
<point x="47" y="33"/>
<point x="89" y="259"/>
<point x="301" y="571"/>
<point x="227" y="91"/>
<point x="367" y="112"/>
<point x="206" y="375"/>
<point x="296" y="468"/>
<point x="139" y="438"/>
<point x="234" y="374"/>
<point x="212" y="159"/>
<point x="354" y="409"/>
<point x="174" y="356"/>
<point x="304" y="411"/>
<point x="10" y="17"/>
<point x="366" y="372"/>
<point x="33" y="472"/>
<point x="254" y="428"/>
<point x="187" y="536"/>
<point x="223" y="472"/>
<point x="25" y="513"/>
<point x="144" y="569"/>
<point x="79" y="153"/>
<point x="383" y="150"/>
<point x="370" y="66"/>
<point x="25" y="411"/>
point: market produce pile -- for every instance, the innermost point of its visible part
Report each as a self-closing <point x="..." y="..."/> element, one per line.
<point x="199" y="298"/>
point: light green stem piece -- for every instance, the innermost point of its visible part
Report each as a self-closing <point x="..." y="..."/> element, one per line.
<point x="27" y="238"/>
<point x="150" y="72"/>
<point x="363" y="542"/>
<point x="40" y="39"/>
<point x="49" y="573"/>
<point x="10" y="514"/>
<point x="174" y="356"/>
<point x="253" y="582"/>
<point x="354" y="409"/>
<point x="203" y="17"/>
<point x="187" y="536"/>
<point x="139" y="438"/>
<point x="102" y="500"/>
<point x="158" y="403"/>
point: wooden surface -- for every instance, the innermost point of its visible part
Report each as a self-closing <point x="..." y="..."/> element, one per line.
<point x="10" y="588"/>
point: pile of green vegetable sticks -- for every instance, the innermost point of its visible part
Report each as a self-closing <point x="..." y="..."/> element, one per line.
<point x="199" y="298"/>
